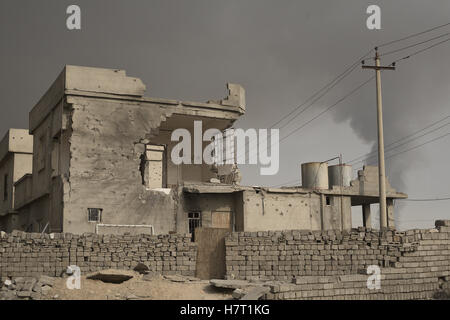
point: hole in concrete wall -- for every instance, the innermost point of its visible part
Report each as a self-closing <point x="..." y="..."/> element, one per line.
<point x="142" y="166"/>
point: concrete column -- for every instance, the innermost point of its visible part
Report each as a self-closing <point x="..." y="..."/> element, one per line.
<point x="367" y="221"/>
<point x="390" y="213"/>
<point x="346" y="209"/>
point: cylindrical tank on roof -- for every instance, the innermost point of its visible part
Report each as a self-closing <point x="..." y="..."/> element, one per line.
<point x="315" y="175"/>
<point x="340" y="175"/>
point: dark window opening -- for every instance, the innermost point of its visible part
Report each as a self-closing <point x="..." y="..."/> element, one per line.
<point x="5" y="187"/>
<point x="328" y="201"/>
<point x="195" y="221"/>
<point x="142" y="165"/>
<point x="95" y="214"/>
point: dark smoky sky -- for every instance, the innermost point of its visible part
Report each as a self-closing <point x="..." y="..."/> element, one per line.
<point x="280" y="51"/>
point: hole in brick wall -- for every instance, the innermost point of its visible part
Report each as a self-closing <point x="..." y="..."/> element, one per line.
<point x="441" y="282"/>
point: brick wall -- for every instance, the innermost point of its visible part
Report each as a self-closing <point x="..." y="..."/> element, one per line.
<point x="31" y="254"/>
<point x="325" y="265"/>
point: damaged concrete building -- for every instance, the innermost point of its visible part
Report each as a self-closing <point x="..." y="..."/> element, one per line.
<point x="101" y="164"/>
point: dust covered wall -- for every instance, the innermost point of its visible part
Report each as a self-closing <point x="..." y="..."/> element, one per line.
<point x="107" y="140"/>
<point x="6" y="173"/>
<point x="414" y="264"/>
<point x="280" y="211"/>
<point x="336" y="212"/>
<point x="211" y="206"/>
<point x="33" y="254"/>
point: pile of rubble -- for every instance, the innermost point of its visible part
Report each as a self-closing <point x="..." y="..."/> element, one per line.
<point x="26" y="288"/>
<point x="243" y="289"/>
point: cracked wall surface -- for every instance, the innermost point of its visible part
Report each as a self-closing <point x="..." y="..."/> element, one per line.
<point x="92" y="166"/>
<point x="105" y="158"/>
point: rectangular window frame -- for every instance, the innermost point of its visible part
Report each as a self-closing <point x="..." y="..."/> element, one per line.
<point x="194" y="221"/>
<point x="95" y="211"/>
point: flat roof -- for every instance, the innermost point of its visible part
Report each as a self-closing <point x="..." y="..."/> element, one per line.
<point x="16" y="141"/>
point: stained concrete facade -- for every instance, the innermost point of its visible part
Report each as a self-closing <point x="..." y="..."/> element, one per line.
<point x="16" y="152"/>
<point x="94" y="136"/>
<point x="101" y="164"/>
<point x="294" y="208"/>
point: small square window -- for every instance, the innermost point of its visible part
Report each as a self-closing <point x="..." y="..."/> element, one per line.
<point x="328" y="201"/>
<point x="95" y="214"/>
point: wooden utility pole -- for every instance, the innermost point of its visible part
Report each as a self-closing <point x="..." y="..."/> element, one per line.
<point x="381" y="166"/>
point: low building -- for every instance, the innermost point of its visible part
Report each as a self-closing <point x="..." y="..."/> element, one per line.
<point x="102" y="164"/>
<point x="16" y="156"/>
<point x="308" y="207"/>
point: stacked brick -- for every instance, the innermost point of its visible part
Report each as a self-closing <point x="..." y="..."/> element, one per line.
<point x="414" y="264"/>
<point x="30" y="254"/>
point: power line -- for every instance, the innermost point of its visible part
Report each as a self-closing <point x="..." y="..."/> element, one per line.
<point x="413" y="35"/>
<point x="414" y="45"/>
<point x="327" y="87"/>
<point x="372" y="155"/>
<point x="418" y="146"/>
<point x="284" y="183"/>
<point x="318" y="98"/>
<point x="401" y="139"/>
<point x="329" y="108"/>
<point x="363" y="84"/>
<point x="420" y="51"/>
<point x="344" y="74"/>
<point x="326" y="110"/>
<point x="435" y="199"/>
<point x="348" y="70"/>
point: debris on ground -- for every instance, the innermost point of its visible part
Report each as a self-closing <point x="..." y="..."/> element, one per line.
<point x="26" y="288"/>
<point x="243" y="289"/>
<point x="108" y="285"/>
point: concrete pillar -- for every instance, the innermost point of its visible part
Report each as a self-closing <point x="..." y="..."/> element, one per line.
<point x="346" y="209"/>
<point x="390" y="213"/>
<point x="367" y="220"/>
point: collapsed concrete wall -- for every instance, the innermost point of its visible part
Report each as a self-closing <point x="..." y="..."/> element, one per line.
<point x="105" y="149"/>
<point x="323" y="265"/>
<point x="32" y="254"/>
<point x="102" y="155"/>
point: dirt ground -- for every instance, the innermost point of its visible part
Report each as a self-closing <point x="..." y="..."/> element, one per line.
<point x="158" y="288"/>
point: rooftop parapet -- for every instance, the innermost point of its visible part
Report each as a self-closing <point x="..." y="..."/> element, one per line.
<point x="99" y="82"/>
<point x="16" y="141"/>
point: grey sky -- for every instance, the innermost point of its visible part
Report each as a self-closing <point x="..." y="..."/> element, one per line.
<point x="280" y="51"/>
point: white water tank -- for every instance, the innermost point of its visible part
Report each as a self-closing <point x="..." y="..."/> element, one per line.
<point x="315" y="175"/>
<point x="340" y="175"/>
